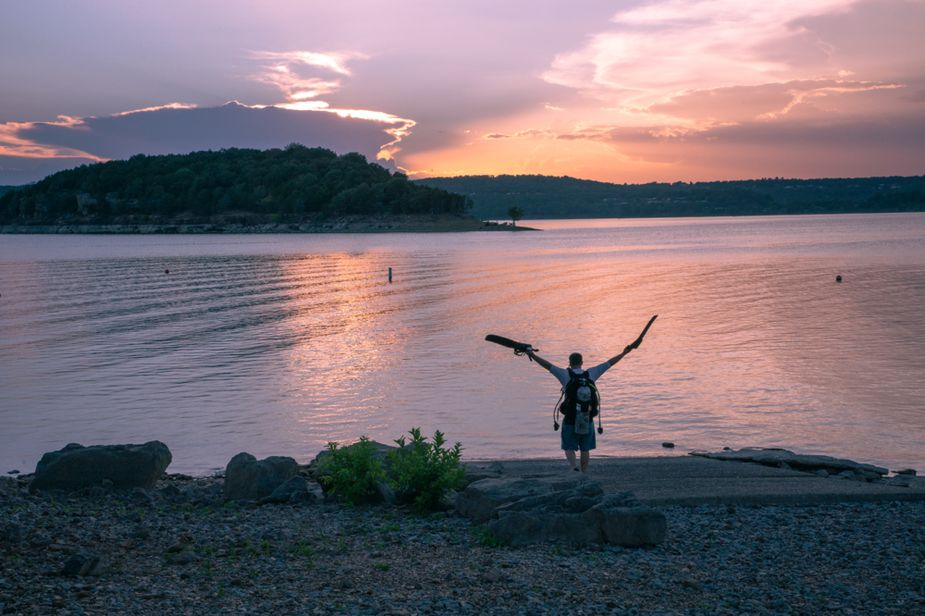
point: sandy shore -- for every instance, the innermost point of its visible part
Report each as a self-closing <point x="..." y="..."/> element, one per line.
<point x="180" y="549"/>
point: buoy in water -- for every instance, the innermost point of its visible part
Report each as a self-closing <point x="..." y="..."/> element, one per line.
<point x="166" y="271"/>
<point x="838" y="278"/>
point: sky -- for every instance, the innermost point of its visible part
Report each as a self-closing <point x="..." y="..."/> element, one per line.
<point x="618" y="91"/>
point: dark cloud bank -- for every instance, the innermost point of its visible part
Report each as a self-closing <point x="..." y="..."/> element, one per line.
<point x="179" y="131"/>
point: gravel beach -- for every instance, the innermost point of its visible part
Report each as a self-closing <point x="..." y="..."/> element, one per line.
<point x="180" y="549"/>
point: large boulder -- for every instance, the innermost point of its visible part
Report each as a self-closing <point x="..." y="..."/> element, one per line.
<point x="247" y="478"/>
<point x="521" y="511"/>
<point x="624" y="522"/>
<point x="785" y="458"/>
<point x="480" y="500"/>
<point x="518" y="528"/>
<point x="293" y="491"/>
<point x="127" y="466"/>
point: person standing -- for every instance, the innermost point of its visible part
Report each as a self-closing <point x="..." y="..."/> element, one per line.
<point x="578" y="432"/>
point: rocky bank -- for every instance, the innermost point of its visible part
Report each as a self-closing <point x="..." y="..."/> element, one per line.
<point x="182" y="548"/>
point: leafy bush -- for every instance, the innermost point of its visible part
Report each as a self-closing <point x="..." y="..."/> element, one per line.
<point x="352" y="473"/>
<point x="485" y="537"/>
<point x="421" y="473"/>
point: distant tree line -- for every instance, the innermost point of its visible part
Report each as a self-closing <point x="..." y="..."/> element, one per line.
<point x="233" y="185"/>
<point x="538" y="196"/>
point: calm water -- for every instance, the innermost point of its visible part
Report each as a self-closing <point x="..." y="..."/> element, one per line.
<point x="279" y="344"/>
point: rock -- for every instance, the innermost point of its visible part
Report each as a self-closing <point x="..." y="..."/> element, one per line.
<point x="607" y="520"/>
<point x="905" y="471"/>
<point x="477" y="472"/>
<point x="182" y="557"/>
<point x="83" y="563"/>
<point x="846" y="475"/>
<point x="802" y="462"/>
<point x="140" y="532"/>
<point x="10" y="533"/>
<point x="517" y="528"/>
<point x="575" y="499"/>
<point x="902" y="481"/>
<point x="479" y="500"/>
<point x="142" y="498"/>
<point x="293" y="490"/>
<point x="247" y="478"/>
<point x="171" y="493"/>
<point x="75" y="467"/>
<point x="631" y="526"/>
<point x="94" y="492"/>
<point x="822" y="472"/>
<point x="530" y="510"/>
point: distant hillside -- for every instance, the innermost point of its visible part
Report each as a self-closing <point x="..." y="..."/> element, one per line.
<point x="5" y="189"/>
<point x="564" y="197"/>
<point x="234" y="186"/>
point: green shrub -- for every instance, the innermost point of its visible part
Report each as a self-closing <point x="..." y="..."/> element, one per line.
<point x="352" y="473"/>
<point x="421" y="473"/>
<point x="487" y="538"/>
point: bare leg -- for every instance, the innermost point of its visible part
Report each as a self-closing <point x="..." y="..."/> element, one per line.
<point x="570" y="456"/>
<point x="585" y="459"/>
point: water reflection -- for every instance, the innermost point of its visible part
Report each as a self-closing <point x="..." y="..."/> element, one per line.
<point x="278" y="345"/>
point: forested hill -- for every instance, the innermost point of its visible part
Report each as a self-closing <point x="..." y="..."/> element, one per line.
<point x="4" y="189"/>
<point x="229" y="186"/>
<point x="564" y="197"/>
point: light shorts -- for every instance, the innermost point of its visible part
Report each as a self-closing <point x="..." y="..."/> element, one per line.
<point x="576" y="442"/>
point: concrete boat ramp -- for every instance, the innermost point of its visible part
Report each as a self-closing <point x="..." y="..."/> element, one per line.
<point x="690" y="480"/>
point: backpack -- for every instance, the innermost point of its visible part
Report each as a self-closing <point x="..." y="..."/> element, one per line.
<point x="580" y="395"/>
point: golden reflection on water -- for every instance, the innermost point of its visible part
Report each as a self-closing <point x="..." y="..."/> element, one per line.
<point x="280" y="347"/>
<point x="341" y="335"/>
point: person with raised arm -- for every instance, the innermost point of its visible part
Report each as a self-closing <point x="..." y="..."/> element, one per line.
<point x="580" y="400"/>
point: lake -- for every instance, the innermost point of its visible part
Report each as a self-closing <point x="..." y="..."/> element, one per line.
<point x="278" y="344"/>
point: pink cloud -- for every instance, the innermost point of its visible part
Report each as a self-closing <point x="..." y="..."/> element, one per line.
<point x="335" y="61"/>
<point x="667" y="47"/>
<point x="14" y="144"/>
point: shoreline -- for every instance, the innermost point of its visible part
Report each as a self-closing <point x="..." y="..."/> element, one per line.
<point x="347" y="224"/>
<point x="181" y="548"/>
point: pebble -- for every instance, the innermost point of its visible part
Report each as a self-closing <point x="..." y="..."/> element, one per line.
<point x="317" y="558"/>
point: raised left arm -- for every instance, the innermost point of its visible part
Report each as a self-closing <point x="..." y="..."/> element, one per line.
<point x="634" y="344"/>
<point x="613" y="360"/>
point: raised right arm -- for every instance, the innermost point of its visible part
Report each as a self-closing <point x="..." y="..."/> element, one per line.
<point x="542" y="362"/>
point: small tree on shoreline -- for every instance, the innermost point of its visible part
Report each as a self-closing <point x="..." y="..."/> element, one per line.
<point x="515" y="214"/>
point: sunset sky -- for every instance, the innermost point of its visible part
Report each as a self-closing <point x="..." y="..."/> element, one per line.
<point x="620" y="90"/>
